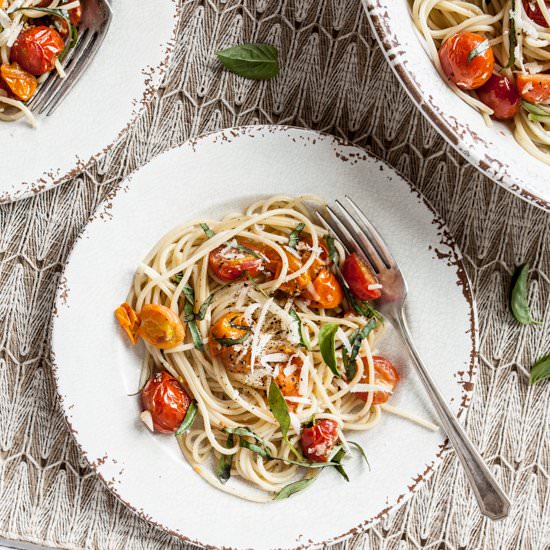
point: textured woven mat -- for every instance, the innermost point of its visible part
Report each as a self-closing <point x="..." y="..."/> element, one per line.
<point x="333" y="79"/>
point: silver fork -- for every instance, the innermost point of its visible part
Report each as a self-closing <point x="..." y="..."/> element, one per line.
<point x="93" y="27"/>
<point x="357" y="234"/>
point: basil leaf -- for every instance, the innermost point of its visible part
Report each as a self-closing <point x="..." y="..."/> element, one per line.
<point x="534" y="109"/>
<point x="478" y="50"/>
<point x="207" y="231"/>
<point x="226" y="342"/>
<point x="176" y="279"/>
<point x="519" y="299"/>
<point x="361" y="450"/>
<point x="255" y="284"/>
<point x="242" y="431"/>
<point x="278" y="407"/>
<point x="291" y="488"/>
<point x="512" y="40"/>
<point x="357" y="338"/>
<point x="252" y="61"/>
<point x="327" y="335"/>
<point x="338" y="459"/>
<point x="262" y="451"/>
<point x="189" y="310"/>
<point x="541" y="369"/>
<point x="188" y="419"/>
<point x="304" y="341"/>
<point x="195" y="335"/>
<point x="204" y="308"/>
<point x="294" y="236"/>
<point x="223" y="469"/>
<point x="332" y="254"/>
<point x="245" y="249"/>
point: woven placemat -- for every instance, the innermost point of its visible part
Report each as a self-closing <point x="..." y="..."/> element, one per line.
<point x="333" y="79"/>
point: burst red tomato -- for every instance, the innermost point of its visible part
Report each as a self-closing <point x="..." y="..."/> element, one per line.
<point x="502" y="95"/>
<point x="465" y="71"/>
<point x="534" y="88"/>
<point x="36" y="49"/>
<point x="360" y="278"/>
<point x="319" y="439"/>
<point x="385" y="374"/>
<point x="325" y="291"/>
<point x="19" y="82"/>
<point x="167" y="402"/>
<point x="532" y="11"/>
<point x="228" y="263"/>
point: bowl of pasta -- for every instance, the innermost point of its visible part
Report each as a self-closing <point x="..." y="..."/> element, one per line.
<point x="235" y="367"/>
<point x="478" y="71"/>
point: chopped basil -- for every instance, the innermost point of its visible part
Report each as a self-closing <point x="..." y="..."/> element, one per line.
<point x="261" y="449"/>
<point x="327" y="336"/>
<point x="478" y="50"/>
<point x="278" y="407"/>
<point x="332" y="254"/>
<point x="190" y="317"/>
<point x="223" y="469"/>
<point x="227" y="342"/>
<point x="519" y="298"/>
<point x="361" y="450"/>
<point x="201" y="314"/>
<point x="512" y="39"/>
<point x="360" y="307"/>
<point x="356" y="340"/>
<point x="294" y="236"/>
<point x="245" y="249"/>
<point x="188" y="419"/>
<point x="252" y="61"/>
<point x="541" y="369"/>
<point x="534" y="109"/>
<point x="304" y="340"/>
<point x="291" y="488"/>
<point x="207" y="231"/>
<point x="232" y="324"/>
<point x="176" y="279"/>
<point x="341" y="453"/>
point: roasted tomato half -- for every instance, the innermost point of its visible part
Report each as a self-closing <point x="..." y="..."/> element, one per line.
<point x="160" y="326"/>
<point x="295" y="286"/>
<point x="534" y="88"/>
<point x="502" y="95"/>
<point x="227" y="335"/>
<point x="166" y="400"/>
<point x="228" y="263"/>
<point x="360" y="278"/>
<point x="319" y="439"/>
<point x="37" y="49"/>
<point x="466" y="61"/>
<point x="288" y="380"/>
<point x="385" y="375"/>
<point x="20" y="83"/>
<point x="325" y="291"/>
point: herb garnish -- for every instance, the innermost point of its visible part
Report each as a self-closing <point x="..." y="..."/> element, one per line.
<point x="176" y="279"/>
<point x="356" y="340"/>
<point x="188" y="419"/>
<point x="191" y="317"/>
<point x="332" y="254"/>
<point x="227" y="342"/>
<point x="519" y="298"/>
<point x="512" y="40"/>
<point x="294" y="236"/>
<point x="327" y="336"/>
<point x="534" y="109"/>
<point x="252" y="61"/>
<point x="279" y="409"/>
<point x="341" y="453"/>
<point x="478" y="50"/>
<point x="291" y="488"/>
<point x="223" y="469"/>
<point x="304" y="340"/>
<point x="207" y="231"/>
<point x="361" y="450"/>
<point x="541" y="369"/>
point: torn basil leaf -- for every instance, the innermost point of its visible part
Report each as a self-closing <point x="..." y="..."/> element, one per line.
<point x="361" y="450"/>
<point x="541" y="369"/>
<point x="188" y="419"/>
<point x="327" y="336"/>
<point x="519" y="298"/>
<point x="227" y="342"/>
<point x="189" y="311"/>
<point x="304" y="340"/>
<point x="338" y="459"/>
<point x="355" y="341"/>
<point x="512" y="39"/>
<point x="207" y="231"/>
<point x="252" y="61"/>
<point x="278" y="407"/>
<point x="294" y="236"/>
<point x="332" y="254"/>
<point x="223" y="468"/>
<point x="292" y="488"/>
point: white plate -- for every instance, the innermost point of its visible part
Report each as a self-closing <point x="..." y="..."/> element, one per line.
<point x="124" y="75"/>
<point x="494" y="151"/>
<point x="96" y="369"/>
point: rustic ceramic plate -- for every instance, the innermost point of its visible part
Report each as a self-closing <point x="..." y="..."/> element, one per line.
<point x="493" y="150"/>
<point x="96" y="369"/>
<point x="123" y="76"/>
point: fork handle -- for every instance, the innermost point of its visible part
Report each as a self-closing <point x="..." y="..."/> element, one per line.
<point x="491" y="498"/>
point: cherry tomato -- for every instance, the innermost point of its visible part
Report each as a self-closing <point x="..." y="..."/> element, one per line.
<point x="466" y="73"/>
<point x="228" y="264"/>
<point x="305" y="246"/>
<point x="19" y="82"/>
<point x="534" y="88"/>
<point x="501" y="94"/>
<point x="227" y="327"/>
<point x="275" y="266"/>
<point x="75" y="15"/>
<point x="385" y="374"/>
<point x="290" y="383"/>
<point x="160" y="326"/>
<point x="319" y="439"/>
<point x="128" y="320"/>
<point x="532" y="11"/>
<point x="36" y="49"/>
<point x="360" y="277"/>
<point x="167" y="402"/>
<point x="325" y="291"/>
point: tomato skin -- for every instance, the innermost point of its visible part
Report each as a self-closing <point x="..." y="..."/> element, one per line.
<point x="453" y="55"/>
<point x="385" y="374"/>
<point x="75" y="15"/>
<point x="289" y="384"/>
<point x="36" y="49"/>
<point x="532" y="11"/>
<point x="230" y="355"/>
<point x="19" y="82"/>
<point x="534" y="88"/>
<point x="229" y="269"/>
<point x="318" y="440"/>
<point x="160" y="326"/>
<point x="327" y="292"/>
<point x="167" y="402"/>
<point x="295" y="286"/>
<point x="359" y="277"/>
<point x="129" y="321"/>
<point x="502" y="95"/>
